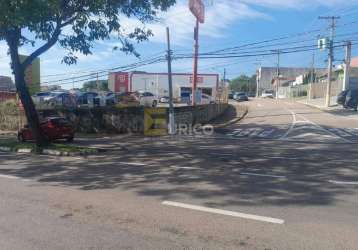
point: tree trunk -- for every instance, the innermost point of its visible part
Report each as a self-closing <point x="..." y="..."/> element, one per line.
<point x="22" y="90"/>
<point x="29" y="107"/>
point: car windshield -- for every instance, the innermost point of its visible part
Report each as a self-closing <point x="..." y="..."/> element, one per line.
<point x="60" y="121"/>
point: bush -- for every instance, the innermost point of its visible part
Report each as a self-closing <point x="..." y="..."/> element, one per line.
<point x="9" y="108"/>
<point x="10" y="116"/>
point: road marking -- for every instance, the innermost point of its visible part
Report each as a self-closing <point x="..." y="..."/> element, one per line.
<point x="340" y="132"/>
<point x="353" y="131"/>
<point x="294" y="120"/>
<point x="325" y="130"/>
<point x="266" y="133"/>
<point x="251" y="132"/>
<point x="12" y="177"/>
<point x="224" y="212"/>
<point x="133" y="163"/>
<point x="186" y="168"/>
<point x="8" y="176"/>
<point x="264" y="175"/>
<point x="344" y="182"/>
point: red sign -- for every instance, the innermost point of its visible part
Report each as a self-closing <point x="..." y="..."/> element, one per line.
<point x="198" y="9"/>
<point x="199" y="79"/>
<point x="121" y="82"/>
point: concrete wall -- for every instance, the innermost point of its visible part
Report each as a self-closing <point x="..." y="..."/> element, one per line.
<point x="318" y="90"/>
<point x="200" y="114"/>
<point x="115" y="120"/>
<point x="97" y="120"/>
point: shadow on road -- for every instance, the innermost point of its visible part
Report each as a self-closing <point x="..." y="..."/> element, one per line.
<point x="211" y="170"/>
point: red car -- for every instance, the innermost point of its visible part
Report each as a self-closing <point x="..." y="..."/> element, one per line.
<point x="54" y="128"/>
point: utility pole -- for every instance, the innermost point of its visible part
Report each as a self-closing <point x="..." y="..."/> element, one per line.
<point x="333" y="20"/>
<point x="258" y="79"/>
<point x="278" y="73"/>
<point x="313" y="68"/>
<point x="196" y="52"/>
<point x="97" y="82"/>
<point x="347" y="63"/>
<point x="224" y="75"/>
<point x="312" y="80"/>
<point x="170" y="80"/>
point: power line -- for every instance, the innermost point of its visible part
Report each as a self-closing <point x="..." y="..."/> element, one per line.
<point x="94" y="71"/>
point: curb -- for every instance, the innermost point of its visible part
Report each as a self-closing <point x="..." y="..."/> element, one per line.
<point x="235" y="120"/>
<point x="315" y="106"/>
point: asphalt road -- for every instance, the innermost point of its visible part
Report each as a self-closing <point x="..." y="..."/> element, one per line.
<point x="285" y="177"/>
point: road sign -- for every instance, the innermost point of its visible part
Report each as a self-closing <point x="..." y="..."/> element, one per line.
<point x="197" y="7"/>
<point x="155" y="121"/>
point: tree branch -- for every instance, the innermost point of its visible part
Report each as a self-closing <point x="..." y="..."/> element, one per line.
<point x="52" y="41"/>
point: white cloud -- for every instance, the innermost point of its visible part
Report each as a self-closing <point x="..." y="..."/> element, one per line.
<point x="4" y="60"/>
<point x="222" y="15"/>
<point x="181" y="22"/>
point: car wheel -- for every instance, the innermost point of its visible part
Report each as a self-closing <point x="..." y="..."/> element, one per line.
<point x="20" y="138"/>
<point x="154" y="104"/>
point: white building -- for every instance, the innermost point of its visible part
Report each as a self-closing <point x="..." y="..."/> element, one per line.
<point x="157" y="83"/>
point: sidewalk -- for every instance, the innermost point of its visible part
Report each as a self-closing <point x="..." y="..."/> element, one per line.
<point x="334" y="109"/>
<point x="320" y="103"/>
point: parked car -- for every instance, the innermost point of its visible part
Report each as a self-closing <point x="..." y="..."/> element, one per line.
<point x="88" y="99"/>
<point x="231" y="96"/>
<point x="241" y="97"/>
<point x="267" y="94"/>
<point x="207" y="99"/>
<point x="147" y="99"/>
<point x="55" y="98"/>
<point x="341" y="98"/>
<point x="164" y="99"/>
<point x="105" y="99"/>
<point x="54" y="128"/>
<point x="127" y="99"/>
<point x="39" y="97"/>
<point x="351" y="100"/>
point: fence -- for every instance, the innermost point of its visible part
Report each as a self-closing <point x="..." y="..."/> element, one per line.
<point x="315" y="92"/>
<point x="293" y="91"/>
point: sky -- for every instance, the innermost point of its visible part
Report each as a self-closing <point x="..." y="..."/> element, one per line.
<point x="228" y="23"/>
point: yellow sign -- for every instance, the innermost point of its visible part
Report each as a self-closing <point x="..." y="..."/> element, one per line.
<point x="155" y="121"/>
<point x="32" y="75"/>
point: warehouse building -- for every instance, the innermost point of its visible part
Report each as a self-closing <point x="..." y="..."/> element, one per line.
<point x="157" y="83"/>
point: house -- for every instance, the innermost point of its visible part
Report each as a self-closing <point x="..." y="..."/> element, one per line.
<point x="267" y="76"/>
<point x="6" y="84"/>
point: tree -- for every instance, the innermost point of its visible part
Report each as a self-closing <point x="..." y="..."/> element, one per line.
<point x="243" y="83"/>
<point x="102" y="85"/>
<point x="75" y="25"/>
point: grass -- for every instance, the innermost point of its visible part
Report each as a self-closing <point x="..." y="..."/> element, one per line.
<point x="14" y="145"/>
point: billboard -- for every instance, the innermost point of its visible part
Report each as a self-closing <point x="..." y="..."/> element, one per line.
<point x="32" y="75"/>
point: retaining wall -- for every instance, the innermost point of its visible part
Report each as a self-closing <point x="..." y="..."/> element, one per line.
<point x="118" y="120"/>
